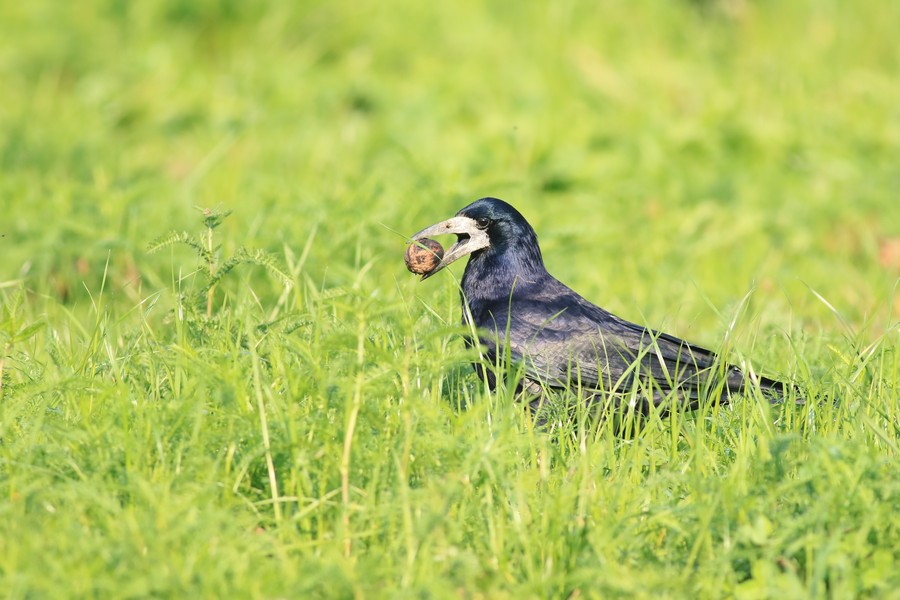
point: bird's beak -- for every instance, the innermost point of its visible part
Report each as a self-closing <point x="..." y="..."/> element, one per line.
<point x="469" y="238"/>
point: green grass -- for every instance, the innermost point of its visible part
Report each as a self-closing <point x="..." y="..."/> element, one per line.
<point x="726" y="171"/>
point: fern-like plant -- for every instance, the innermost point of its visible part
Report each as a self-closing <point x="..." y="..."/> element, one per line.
<point x="207" y="251"/>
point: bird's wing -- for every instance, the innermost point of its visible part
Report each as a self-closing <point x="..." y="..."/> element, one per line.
<point x="565" y="341"/>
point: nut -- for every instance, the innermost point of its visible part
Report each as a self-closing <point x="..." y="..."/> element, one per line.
<point x="423" y="256"/>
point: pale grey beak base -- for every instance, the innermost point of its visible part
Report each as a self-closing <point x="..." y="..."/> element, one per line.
<point x="470" y="239"/>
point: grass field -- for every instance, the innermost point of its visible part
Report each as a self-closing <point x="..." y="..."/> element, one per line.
<point x="282" y="411"/>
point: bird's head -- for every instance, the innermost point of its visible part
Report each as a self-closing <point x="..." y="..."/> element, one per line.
<point x="487" y="227"/>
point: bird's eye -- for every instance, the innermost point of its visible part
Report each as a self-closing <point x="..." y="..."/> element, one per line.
<point x="482" y="223"/>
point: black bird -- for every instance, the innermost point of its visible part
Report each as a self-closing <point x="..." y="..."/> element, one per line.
<point x="562" y="341"/>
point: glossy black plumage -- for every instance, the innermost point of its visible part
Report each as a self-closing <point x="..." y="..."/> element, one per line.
<point x="560" y="339"/>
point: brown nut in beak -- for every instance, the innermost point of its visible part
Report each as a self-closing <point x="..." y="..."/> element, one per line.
<point x="423" y="256"/>
<point x="469" y="238"/>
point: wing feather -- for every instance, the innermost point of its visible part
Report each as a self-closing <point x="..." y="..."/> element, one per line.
<point x="561" y="340"/>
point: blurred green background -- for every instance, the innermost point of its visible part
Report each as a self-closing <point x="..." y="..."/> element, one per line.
<point x="724" y="144"/>
<point x="675" y="158"/>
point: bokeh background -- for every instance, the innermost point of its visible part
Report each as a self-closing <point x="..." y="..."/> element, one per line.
<point x="719" y="144"/>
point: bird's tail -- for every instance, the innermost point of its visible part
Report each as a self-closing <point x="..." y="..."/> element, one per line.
<point x="777" y="392"/>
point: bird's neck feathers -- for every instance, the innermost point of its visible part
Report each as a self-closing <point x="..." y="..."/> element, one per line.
<point x="504" y="268"/>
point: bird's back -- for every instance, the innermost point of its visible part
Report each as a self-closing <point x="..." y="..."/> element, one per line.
<point x="563" y="341"/>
